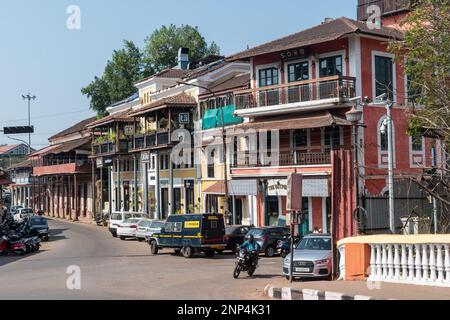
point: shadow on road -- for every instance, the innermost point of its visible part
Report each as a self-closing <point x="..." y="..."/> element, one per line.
<point x="4" y="260"/>
<point x="57" y="234"/>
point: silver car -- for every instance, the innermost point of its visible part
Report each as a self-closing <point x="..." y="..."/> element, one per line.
<point x="312" y="257"/>
<point x="146" y="228"/>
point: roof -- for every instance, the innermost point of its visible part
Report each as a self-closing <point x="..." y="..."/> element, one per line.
<point x="121" y="116"/>
<point x="241" y="81"/>
<point x="70" y="145"/>
<point x="131" y="98"/>
<point x="305" y="121"/>
<point x="23" y="164"/>
<point x="216" y="188"/>
<point x="5" y="182"/>
<point x="7" y="148"/>
<point x="198" y="72"/>
<point x="44" y="150"/>
<point x="167" y="73"/>
<point x="78" y="127"/>
<point x="179" y="100"/>
<point x="327" y="31"/>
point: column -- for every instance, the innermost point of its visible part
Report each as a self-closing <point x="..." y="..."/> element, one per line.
<point x="157" y="188"/>
<point x="171" y="204"/>
<point x="118" y="195"/>
<point x="110" y="189"/>
<point x="135" y="185"/>
<point x="94" y="208"/>
<point x="76" y="202"/>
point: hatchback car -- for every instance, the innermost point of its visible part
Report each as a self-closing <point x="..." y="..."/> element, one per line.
<point x="127" y="229"/>
<point x="235" y="236"/>
<point x="118" y="218"/>
<point x="41" y="226"/>
<point x="312" y="257"/>
<point x="268" y="238"/>
<point x="146" y="228"/>
<point x="22" y="213"/>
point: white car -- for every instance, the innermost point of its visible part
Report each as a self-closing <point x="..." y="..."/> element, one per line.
<point x="146" y="228"/>
<point x="127" y="229"/>
<point x="22" y="213"/>
<point x="117" y="218"/>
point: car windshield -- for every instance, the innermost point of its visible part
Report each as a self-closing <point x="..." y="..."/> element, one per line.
<point x="116" y="216"/>
<point x="230" y="230"/>
<point x="256" y="232"/>
<point x="38" y="221"/>
<point x="314" y="244"/>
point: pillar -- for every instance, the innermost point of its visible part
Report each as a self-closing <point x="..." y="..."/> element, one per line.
<point x="157" y="189"/>
<point x="118" y="198"/>
<point x="135" y="185"/>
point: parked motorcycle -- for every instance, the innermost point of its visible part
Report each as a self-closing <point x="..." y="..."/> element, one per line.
<point x="12" y="244"/>
<point x="246" y="261"/>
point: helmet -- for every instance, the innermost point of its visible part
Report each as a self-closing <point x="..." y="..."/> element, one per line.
<point x="250" y="237"/>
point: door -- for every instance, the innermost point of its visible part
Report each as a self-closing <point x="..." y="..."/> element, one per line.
<point x="303" y="228"/>
<point x="177" y="200"/>
<point x="238" y="211"/>
<point x="164" y="203"/>
<point x="126" y="196"/>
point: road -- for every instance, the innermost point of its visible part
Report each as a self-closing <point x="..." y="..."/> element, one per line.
<point x="115" y="269"/>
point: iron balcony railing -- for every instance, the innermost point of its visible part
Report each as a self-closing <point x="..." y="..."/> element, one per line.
<point x="285" y="158"/>
<point x="302" y="91"/>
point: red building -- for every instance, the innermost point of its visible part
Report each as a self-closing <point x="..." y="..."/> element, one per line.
<point x="303" y="85"/>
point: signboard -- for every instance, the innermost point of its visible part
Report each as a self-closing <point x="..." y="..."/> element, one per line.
<point x="310" y="188"/>
<point x="184" y="118"/>
<point x="299" y="53"/>
<point x="18" y="130"/>
<point x="128" y="130"/>
<point x="294" y="192"/>
<point x="99" y="163"/>
<point x="192" y="224"/>
<point x="107" y="162"/>
<point x="145" y="157"/>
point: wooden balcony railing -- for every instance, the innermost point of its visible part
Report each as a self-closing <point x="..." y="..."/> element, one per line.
<point x="285" y="158"/>
<point x="109" y="147"/>
<point x="150" y="140"/>
<point x="302" y="91"/>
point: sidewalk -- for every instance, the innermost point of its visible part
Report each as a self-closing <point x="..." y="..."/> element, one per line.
<point x="347" y="290"/>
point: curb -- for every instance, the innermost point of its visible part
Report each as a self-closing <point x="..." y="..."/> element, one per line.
<point x="288" y="293"/>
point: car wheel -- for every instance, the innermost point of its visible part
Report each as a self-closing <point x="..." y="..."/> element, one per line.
<point x="114" y="235"/>
<point x="270" y="251"/>
<point x="288" y="278"/>
<point x="122" y="238"/>
<point x="154" y="247"/>
<point x="188" y="252"/>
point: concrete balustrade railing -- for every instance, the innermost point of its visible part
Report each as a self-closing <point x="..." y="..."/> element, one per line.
<point x="420" y="260"/>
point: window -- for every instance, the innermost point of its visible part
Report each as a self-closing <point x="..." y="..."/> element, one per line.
<point x="384" y="76"/>
<point x="330" y="66"/>
<point x="332" y="137"/>
<point x="298" y="71"/>
<point x="211" y="169"/>
<point x="417" y="143"/>
<point x="383" y="136"/>
<point x="177" y="227"/>
<point x="300" y="138"/>
<point x="268" y="77"/>
<point x="164" y="162"/>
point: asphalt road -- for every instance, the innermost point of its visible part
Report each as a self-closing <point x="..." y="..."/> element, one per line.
<point x="115" y="269"/>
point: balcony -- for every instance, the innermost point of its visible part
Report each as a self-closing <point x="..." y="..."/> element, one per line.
<point x="108" y="148"/>
<point x="65" y="168"/>
<point x="151" y="140"/>
<point x="310" y="95"/>
<point x="386" y="6"/>
<point x="285" y="159"/>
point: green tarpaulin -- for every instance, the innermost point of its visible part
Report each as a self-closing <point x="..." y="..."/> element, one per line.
<point x="213" y="118"/>
<point x="209" y="119"/>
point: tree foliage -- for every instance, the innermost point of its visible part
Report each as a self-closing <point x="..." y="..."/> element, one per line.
<point x="130" y="64"/>
<point x="426" y="52"/>
<point x="161" y="48"/>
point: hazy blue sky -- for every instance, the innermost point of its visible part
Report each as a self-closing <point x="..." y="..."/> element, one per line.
<point x="39" y="54"/>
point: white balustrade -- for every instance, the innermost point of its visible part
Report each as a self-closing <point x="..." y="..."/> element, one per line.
<point x="410" y="262"/>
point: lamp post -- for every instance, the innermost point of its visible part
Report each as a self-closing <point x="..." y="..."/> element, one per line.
<point x="355" y="116"/>
<point x="225" y="172"/>
<point x="29" y="97"/>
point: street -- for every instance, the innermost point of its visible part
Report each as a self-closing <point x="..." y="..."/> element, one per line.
<point x="115" y="269"/>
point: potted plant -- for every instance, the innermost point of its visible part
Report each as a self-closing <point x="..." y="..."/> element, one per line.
<point x="163" y="122"/>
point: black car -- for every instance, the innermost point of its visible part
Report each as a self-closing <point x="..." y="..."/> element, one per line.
<point x="268" y="237"/>
<point x="235" y="236"/>
<point x="40" y="225"/>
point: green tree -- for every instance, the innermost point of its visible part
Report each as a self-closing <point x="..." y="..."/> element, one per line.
<point x="425" y="54"/>
<point x="161" y="48"/>
<point x="117" y="82"/>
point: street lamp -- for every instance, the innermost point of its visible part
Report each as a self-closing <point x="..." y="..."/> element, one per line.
<point x="355" y="116"/>
<point x="29" y="97"/>
<point x="387" y="128"/>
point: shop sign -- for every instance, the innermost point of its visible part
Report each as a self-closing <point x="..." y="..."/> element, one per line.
<point x="145" y="157"/>
<point x="99" y="163"/>
<point x="277" y="187"/>
<point x="128" y="130"/>
<point x="184" y="118"/>
<point x="299" y="53"/>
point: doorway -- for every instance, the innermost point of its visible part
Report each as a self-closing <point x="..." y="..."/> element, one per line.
<point x="164" y="203"/>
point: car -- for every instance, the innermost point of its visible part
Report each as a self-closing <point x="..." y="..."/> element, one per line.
<point x="41" y="226"/>
<point x="13" y="210"/>
<point x="118" y="218"/>
<point x="191" y="233"/>
<point x="312" y="257"/>
<point x="127" y="229"/>
<point x="22" y="213"/>
<point x="268" y="237"/>
<point x="146" y="228"/>
<point x="235" y="236"/>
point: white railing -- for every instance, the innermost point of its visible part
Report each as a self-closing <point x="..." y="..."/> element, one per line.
<point x="406" y="259"/>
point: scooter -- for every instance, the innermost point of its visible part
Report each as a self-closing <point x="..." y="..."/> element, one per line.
<point x="246" y="261"/>
<point x="12" y="245"/>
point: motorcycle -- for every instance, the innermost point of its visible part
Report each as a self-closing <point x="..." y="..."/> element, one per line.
<point x="284" y="247"/>
<point x="246" y="261"/>
<point x="11" y="244"/>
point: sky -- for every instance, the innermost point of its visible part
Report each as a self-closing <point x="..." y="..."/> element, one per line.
<point x="41" y="55"/>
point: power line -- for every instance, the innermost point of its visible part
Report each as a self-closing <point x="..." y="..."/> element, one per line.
<point x="49" y="116"/>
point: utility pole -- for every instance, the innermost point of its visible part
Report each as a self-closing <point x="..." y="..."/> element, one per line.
<point x="29" y="97"/>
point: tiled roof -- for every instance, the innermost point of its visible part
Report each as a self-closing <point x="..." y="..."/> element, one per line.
<point x="179" y="100"/>
<point x="195" y="73"/>
<point x="121" y="116"/>
<point x="4" y="149"/>
<point x="324" y="32"/>
<point x="23" y="164"/>
<point x="69" y="146"/>
<point x="167" y="73"/>
<point x="79" y="127"/>
<point x="241" y="81"/>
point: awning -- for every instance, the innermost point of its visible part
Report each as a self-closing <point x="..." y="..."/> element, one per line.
<point x="4" y="182"/>
<point x="306" y="121"/>
<point x="216" y="188"/>
<point x="235" y="188"/>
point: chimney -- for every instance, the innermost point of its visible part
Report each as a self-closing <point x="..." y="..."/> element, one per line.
<point x="326" y="20"/>
<point x="183" y="58"/>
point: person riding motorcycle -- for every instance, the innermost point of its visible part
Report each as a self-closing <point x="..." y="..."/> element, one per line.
<point x="251" y="246"/>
